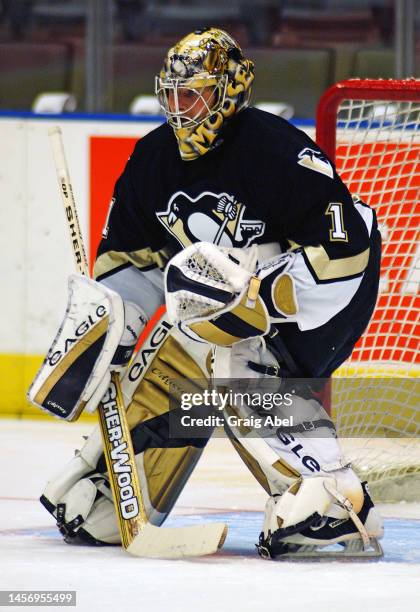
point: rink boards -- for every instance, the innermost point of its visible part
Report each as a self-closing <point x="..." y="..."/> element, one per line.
<point x="36" y="255"/>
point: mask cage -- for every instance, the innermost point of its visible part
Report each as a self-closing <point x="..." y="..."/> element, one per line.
<point x="171" y="86"/>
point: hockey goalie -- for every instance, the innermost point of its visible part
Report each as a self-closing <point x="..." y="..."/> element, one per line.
<point x="269" y="270"/>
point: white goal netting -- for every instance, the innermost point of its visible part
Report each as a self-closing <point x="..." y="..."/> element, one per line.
<point x="372" y="130"/>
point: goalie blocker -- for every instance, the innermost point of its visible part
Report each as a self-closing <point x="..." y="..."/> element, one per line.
<point x="98" y="333"/>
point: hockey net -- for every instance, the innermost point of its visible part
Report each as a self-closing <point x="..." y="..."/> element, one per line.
<point x="371" y="129"/>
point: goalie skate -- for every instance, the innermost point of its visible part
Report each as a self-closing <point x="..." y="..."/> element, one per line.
<point x="327" y="537"/>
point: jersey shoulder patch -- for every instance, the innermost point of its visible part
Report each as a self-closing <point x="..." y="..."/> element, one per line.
<point x="315" y="160"/>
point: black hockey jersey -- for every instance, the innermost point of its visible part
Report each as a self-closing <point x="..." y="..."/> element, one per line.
<point x="266" y="183"/>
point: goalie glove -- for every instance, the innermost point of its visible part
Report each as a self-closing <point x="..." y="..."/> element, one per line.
<point x="219" y="295"/>
<point x="99" y="333"/>
<point x="212" y="294"/>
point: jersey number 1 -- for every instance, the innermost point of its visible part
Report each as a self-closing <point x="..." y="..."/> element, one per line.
<point x="335" y="209"/>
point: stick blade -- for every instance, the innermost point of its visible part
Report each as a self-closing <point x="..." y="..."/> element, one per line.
<point x="178" y="542"/>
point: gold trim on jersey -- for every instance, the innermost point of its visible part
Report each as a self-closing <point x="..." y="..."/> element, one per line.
<point x="293" y="245"/>
<point x="332" y="269"/>
<point x="143" y="258"/>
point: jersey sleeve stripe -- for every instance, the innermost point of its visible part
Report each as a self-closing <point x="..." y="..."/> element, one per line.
<point x="324" y="269"/>
<point x="141" y="259"/>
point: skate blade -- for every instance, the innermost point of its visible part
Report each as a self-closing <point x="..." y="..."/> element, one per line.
<point x="352" y="549"/>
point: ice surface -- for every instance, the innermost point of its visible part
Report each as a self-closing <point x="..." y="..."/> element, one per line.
<point x="33" y="556"/>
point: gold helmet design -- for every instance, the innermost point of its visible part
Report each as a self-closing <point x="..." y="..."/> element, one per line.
<point x="204" y="81"/>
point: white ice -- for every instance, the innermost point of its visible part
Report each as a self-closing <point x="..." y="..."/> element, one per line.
<point x="33" y="556"/>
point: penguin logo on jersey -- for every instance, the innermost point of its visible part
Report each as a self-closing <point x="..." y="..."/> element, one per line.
<point x="211" y="217"/>
<point x="315" y="160"/>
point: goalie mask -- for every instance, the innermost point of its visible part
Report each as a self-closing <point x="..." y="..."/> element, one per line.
<point x="204" y="81"/>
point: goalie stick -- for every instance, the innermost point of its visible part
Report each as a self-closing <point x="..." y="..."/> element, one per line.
<point x="139" y="537"/>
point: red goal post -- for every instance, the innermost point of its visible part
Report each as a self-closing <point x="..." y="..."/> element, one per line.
<point x="371" y="130"/>
<point x="376" y="90"/>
